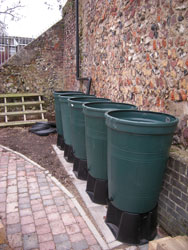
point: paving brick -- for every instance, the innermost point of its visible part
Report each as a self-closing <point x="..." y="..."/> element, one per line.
<point x="3" y="215"/>
<point x="51" y="209"/>
<point x="12" y="207"/>
<point x="63" y="209"/>
<point x="3" y="184"/>
<point x="22" y="190"/>
<point x="54" y="188"/>
<point x="39" y="214"/>
<point x="2" y="207"/>
<point x="81" y="222"/>
<point x="72" y="229"/>
<point x="43" y="229"/>
<point x="71" y="204"/>
<point x="45" y="192"/>
<point x="22" y="184"/>
<point x="23" y="195"/>
<point x="14" y="228"/>
<point x="15" y="240"/>
<point x="37" y="207"/>
<point x="76" y="237"/>
<point x="91" y="240"/>
<point x="12" y="182"/>
<point x="60" y="238"/>
<point x="65" y="246"/>
<point x="37" y="201"/>
<point x="43" y="184"/>
<point x="34" y="191"/>
<point x="47" y="245"/>
<point x="11" y="175"/>
<point x="57" y="227"/>
<point x="59" y="201"/>
<point x="13" y="218"/>
<point x="32" y="180"/>
<point x="41" y="221"/>
<point x="53" y="216"/>
<point x="95" y="247"/>
<point x="24" y="212"/>
<point x="3" y="190"/>
<point x="30" y="241"/>
<point x="3" y="198"/>
<point x="68" y="219"/>
<point x="48" y="202"/>
<point x="29" y="228"/>
<point x="45" y="237"/>
<point x="86" y="232"/>
<point x="12" y="189"/>
<point x="57" y="193"/>
<point x="33" y="186"/>
<point x="27" y="219"/>
<point x="44" y="188"/>
<point x="21" y="173"/>
<point x="47" y="197"/>
<point x="23" y="206"/>
<point x="80" y="245"/>
<point x="35" y="196"/>
<point x="24" y="200"/>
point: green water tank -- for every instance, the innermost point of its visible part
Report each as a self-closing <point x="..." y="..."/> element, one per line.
<point x="137" y="153"/>
<point x="78" y="124"/>
<point x="59" y="125"/>
<point x="96" y="135"/>
<point x="65" y="114"/>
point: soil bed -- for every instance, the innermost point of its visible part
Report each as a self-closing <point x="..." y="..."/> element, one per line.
<point x="37" y="148"/>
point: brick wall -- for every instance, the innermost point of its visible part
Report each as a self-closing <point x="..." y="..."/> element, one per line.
<point x="173" y="200"/>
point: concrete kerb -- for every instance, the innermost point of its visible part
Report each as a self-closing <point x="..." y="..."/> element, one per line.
<point x="91" y="226"/>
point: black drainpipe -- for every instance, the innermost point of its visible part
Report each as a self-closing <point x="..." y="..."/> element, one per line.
<point x="89" y="79"/>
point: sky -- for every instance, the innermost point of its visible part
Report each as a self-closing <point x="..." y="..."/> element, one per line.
<point x="36" y="18"/>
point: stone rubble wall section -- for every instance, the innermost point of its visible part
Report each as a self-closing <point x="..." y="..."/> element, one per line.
<point x="136" y="52"/>
<point x="37" y="68"/>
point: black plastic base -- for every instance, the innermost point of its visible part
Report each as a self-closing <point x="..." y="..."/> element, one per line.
<point x="97" y="190"/>
<point x="132" y="228"/>
<point x="68" y="153"/>
<point x="80" y="169"/>
<point x="60" y="142"/>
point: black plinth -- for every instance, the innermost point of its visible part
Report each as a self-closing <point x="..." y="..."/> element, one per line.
<point x="97" y="190"/>
<point x="80" y="168"/>
<point x="68" y="153"/>
<point x="132" y="228"/>
<point x="60" y="142"/>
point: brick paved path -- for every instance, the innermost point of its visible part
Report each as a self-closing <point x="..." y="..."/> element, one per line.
<point x="37" y="214"/>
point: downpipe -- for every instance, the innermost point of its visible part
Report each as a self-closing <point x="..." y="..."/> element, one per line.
<point x="88" y="79"/>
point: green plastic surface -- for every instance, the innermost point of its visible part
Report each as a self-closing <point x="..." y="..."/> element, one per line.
<point x="59" y="125"/>
<point x="137" y="153"/>
<point x="78" y="124"/>
<point x="96" y="135"/>
<point x="65" y="115"/>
